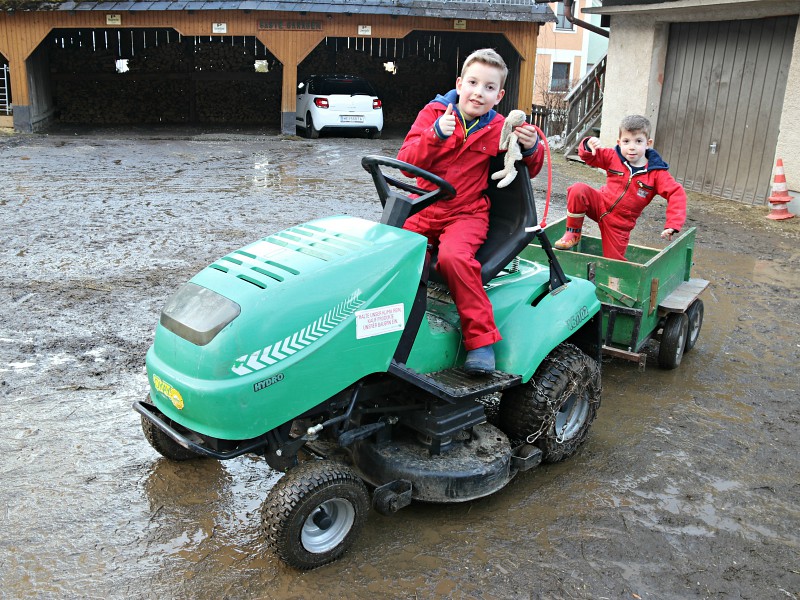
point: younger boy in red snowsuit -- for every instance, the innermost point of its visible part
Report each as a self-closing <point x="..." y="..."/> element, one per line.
<point x="635" y="174"/>
<point x="454" y="137"/>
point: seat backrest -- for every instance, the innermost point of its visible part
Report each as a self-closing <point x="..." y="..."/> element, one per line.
<point x="513" y="208"/>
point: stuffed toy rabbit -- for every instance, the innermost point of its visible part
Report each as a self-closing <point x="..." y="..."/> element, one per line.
<point x="510" y="143"/>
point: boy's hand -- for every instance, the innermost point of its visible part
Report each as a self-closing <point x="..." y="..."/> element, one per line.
<point x="667" y="234"/>
<point x="526" y="135"/>
<point x="593" y="144"/>
<point x="447" y="122"/>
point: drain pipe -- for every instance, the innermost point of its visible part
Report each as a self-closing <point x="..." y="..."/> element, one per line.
<point x="580" y="23"/>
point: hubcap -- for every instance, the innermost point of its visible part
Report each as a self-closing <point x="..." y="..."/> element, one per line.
<point x="328" y="525"/>
<point x="694" y="327"/>
<point x="571" y="417"/>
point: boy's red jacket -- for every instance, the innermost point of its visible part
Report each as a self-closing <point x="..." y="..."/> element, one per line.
<point x="463" y="163"/>
<point x="628" y="195"/>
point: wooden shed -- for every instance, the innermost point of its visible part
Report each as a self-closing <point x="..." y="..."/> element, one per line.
<point x="240" y="61"/>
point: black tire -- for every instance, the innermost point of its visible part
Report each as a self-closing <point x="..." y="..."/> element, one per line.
<point x="673" y="340"/>
<point x="556" y="408"/>
<point x="165" y="445"/>
<point x="314" y="513"/>
<point x="374" y="134"/>
<point x="311" y="131"/>
<point x="695" y="314"/>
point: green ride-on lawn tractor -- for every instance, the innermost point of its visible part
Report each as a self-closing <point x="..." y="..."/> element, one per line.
<point x="330" y="349"/>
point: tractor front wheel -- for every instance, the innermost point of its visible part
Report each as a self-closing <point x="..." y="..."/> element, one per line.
<point x="165" y="445"/>
<point x="556" y="408"/>
<point x="314" y="513"/>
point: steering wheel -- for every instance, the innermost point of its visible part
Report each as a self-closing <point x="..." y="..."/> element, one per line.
<point x="444" y="190"/>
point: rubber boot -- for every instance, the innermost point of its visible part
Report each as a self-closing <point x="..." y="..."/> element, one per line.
<point x="480" y="361"/>
<point x="573" y="235"/>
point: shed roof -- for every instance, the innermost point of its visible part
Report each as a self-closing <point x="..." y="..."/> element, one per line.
<point x="519" y="10"/>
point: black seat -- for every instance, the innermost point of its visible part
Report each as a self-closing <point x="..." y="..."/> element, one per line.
<point x="512" y="210"/>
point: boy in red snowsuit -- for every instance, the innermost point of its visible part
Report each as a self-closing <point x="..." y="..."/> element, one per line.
<point x="635" y="174"/>
<point x="454" y="136"/>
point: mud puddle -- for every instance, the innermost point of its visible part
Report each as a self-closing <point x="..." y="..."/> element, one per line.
<point x="687" y="487"/>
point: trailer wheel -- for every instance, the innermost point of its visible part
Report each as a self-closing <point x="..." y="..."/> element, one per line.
<point x="165" y="445"/>
<point x="673" y="340"/>
<point x="314" y="513"/>
<point x="695" y="314"/>
<point x="556" y="408"/>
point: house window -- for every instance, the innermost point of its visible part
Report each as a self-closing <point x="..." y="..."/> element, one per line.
<point x="562" y="23"/>
<point x="559" y="80"/>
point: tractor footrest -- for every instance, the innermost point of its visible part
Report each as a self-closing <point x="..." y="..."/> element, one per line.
<point x="454" y="385"/>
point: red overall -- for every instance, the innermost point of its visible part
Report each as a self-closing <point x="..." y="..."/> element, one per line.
<point x="617" y="205"/>
<point x="458" y="226"/>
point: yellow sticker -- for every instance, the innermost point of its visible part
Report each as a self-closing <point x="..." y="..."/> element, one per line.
<point x="169" y="391"/>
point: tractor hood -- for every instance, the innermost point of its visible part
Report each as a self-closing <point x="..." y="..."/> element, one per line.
<point x="277" y="327"/>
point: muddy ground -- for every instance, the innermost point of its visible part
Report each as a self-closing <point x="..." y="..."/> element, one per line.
<point x="688" y="487"/>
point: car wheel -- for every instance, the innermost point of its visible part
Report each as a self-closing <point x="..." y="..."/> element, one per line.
<point x="695" y="314"/>
<point x="314" y="513"/>
<point x="311" y="131"/>
<point x="673" y="340"/>
<point x="374" y="134"/>
<point x="556" y="408"/>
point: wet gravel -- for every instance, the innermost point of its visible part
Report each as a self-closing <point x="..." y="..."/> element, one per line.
<point x="687" y="488"/>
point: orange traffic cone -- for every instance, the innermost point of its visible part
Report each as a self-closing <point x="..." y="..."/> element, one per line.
<point x="780" y="195"/>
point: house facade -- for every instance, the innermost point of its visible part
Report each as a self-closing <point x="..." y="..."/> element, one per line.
<point x="565" y="52"/>
<point x="719" y="80"/>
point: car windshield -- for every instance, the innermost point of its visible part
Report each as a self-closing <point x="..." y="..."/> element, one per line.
<point x="352" y="87"/>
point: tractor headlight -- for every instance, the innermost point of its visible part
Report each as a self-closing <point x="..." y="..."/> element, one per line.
<point x="197" y="314"/>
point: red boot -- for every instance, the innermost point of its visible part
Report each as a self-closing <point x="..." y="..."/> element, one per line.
<point x="573" y="235"/>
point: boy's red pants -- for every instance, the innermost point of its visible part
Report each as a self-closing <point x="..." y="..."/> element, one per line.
<point x="458" y="239"/>
<point x="615" y="229"/>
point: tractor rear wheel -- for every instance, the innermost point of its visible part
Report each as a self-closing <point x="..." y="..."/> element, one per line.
<point x="314" y="513"/>
<point x="673" y="340"/>
<point x="556" y="408"/>
<point x="165" y="445"/>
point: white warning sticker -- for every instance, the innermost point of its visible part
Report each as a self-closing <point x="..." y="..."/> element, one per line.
<point x="381" y="320"/>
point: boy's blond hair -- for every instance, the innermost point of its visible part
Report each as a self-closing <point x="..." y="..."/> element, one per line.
<point x="487" y="56"/>
<point x="635" y="124"/>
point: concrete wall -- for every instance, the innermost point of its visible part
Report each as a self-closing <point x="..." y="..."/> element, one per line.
<point x="637" y="51"/>
<point x="790" y="123"/>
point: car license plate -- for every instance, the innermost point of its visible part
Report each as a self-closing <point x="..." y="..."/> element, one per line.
<point x="352" y="118"/>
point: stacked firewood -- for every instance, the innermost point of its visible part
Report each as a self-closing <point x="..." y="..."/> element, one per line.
<point x="164" y="58"/>
<point x="82" y="59"/>
<point x="222" y="56"/>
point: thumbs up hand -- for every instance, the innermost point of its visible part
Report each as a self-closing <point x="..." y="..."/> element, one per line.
<point x="447" y="122"/>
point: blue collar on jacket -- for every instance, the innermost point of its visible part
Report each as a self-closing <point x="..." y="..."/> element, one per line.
<point x="654" y="160"/>
<point x="451" y="97"/>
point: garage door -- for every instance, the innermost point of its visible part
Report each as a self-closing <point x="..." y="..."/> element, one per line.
<point x="721" y="103"/>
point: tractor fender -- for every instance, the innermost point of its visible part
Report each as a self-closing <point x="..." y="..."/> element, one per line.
<point x="533" y="329"/>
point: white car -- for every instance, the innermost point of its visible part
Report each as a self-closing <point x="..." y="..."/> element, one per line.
<point x="330" y="102"/>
